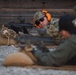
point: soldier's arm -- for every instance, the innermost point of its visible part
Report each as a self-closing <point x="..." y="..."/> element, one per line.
<point x="56" y="58"/>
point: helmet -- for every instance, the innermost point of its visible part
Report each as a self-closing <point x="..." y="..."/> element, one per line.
<point x="40" y="14"/>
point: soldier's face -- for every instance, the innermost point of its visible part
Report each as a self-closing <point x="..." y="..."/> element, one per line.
<point x="65" y="34"/>
<point x="43" y="23"/>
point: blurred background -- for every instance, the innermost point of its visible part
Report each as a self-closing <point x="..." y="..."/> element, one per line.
<point x="12" y="10"/>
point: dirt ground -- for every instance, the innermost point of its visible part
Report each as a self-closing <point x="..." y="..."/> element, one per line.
<point x="5" y="50"/>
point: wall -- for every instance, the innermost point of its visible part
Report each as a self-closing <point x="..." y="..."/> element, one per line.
<point x="10" y="10"/>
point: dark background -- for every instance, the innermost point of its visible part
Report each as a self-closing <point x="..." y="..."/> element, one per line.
<point x="10" y="10"/>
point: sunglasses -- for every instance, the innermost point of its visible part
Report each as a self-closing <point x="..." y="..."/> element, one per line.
<point x="37" y="22"/>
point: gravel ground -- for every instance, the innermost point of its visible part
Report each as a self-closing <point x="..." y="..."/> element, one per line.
<point x="5" y="50"/>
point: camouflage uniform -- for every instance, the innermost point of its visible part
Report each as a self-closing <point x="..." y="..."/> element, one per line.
<point x="51" y="29"/>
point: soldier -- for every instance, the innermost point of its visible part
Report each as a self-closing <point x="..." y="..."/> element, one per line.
<point x="46" y="24"/>
<point x="65" y="53"/>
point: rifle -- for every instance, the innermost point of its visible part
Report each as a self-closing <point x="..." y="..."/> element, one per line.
<point x="20" y="26"/>
<point x="46" y="40"/>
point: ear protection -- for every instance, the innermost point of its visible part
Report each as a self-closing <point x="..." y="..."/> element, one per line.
<point x="37" y="26"/>
<point x="48" y="15"/>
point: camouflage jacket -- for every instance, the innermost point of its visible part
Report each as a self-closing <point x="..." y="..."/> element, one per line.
<point x="52" y="30"/>
<point x="66" y="52"/>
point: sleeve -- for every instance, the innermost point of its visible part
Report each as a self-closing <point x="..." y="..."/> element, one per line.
<point x="57" y="57"/>
<point x="42" y="31"/>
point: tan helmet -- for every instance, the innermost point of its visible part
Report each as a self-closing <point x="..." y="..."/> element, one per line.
<point x="38" y="15"/>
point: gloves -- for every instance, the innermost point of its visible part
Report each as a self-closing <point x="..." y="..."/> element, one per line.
<point x="40" y="47"/>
